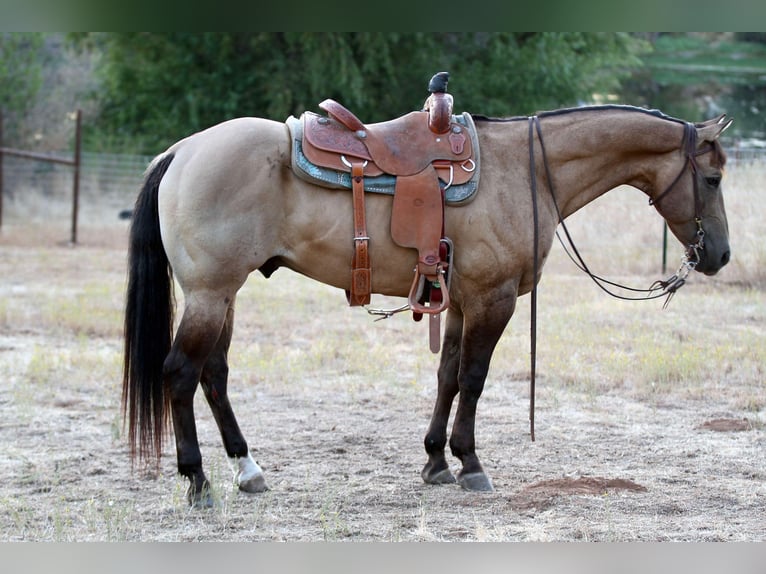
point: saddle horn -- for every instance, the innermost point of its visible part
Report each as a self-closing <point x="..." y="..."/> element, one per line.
<point x="438" y="83"/>
<point x="439" y="104"/>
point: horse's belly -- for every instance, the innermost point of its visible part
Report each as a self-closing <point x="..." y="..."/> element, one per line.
<point x="392" y="269"/>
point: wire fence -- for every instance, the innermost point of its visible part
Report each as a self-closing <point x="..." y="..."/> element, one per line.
<point x="101" y="173"/>
<point x="41" y="190"/>
<point x="744" y="154"/>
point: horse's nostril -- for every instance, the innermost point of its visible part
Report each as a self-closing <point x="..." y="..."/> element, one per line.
<point x="725" y="258"/>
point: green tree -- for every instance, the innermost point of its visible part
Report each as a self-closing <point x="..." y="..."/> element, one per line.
<point x="21" y="56"/>
<point x="522" y="73"/>
<point x="158" y="87"/>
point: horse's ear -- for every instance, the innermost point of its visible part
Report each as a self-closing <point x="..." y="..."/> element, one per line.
<point x="711" y="129"/>
<point x="711" y="121"/>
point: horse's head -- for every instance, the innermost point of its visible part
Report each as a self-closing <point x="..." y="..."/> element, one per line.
<point x="692" y="203"/>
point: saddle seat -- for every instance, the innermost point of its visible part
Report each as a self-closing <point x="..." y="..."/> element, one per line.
<point x="421" y="149"/>
<point x="403" y="146"/>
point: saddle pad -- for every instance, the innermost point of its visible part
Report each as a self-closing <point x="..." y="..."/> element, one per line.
<point x="385" y="183"/>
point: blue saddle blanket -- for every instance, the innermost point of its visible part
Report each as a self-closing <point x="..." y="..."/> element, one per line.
<point x="303" y="168"/>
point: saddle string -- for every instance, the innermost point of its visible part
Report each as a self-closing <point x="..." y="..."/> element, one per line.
<point x="386" y="313"/>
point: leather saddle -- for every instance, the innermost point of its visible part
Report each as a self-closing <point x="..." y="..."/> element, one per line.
<point x="427" y="151"/>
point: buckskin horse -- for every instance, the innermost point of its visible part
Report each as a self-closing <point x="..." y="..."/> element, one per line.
<point x="226" y="201"/>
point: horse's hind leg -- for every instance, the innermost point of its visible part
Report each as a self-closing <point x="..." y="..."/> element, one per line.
<point x="214" y="382"/>
<point x="436" y="470"/>
<point x="197" y="335"/>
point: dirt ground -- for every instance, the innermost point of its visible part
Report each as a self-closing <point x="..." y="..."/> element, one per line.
<point x="335" y="407"/>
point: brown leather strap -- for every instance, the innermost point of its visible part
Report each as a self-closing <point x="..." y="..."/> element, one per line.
<point x="361" y="274"/>
<point x="434" y="333"/>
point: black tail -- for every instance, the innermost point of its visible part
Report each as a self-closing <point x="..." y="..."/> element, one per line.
<point x="149" y="310"/>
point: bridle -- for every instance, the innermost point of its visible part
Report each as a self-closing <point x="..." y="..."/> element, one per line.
<point x="691" y="152"/>
<point x="661" y="288"/>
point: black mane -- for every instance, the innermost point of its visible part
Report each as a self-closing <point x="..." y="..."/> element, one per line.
<point x="564" y="111"/>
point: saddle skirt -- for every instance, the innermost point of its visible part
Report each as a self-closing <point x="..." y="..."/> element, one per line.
<point x="319" y="161"/>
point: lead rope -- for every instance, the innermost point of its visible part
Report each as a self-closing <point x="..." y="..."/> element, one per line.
<point x="535" y="267"/>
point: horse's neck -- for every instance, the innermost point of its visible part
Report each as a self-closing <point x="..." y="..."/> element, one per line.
<point x="590" y="153"/>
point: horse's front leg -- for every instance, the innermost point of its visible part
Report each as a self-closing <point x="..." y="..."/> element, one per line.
<point x="481" y="332"/>
<point x="436" y="470"/>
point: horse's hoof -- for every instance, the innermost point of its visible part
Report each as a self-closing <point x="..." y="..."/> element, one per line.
<point x="200" y="499"/>
<point x="444" y="476"/>
<point x="254" y="484"/>
<point x="475" y="482"/>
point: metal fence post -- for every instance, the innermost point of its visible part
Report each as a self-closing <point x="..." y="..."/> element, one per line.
<point x="76" y="176"/>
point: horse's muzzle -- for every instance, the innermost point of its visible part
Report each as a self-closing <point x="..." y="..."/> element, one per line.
<point x="711" y="263"/>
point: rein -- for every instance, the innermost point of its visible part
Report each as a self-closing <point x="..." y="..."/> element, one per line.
<point x="661" y="288"/>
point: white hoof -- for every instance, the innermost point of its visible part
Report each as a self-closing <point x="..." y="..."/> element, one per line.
<point x="250" y="476"/>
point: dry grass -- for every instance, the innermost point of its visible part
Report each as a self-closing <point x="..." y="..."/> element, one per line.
<point x="336" y="404"/>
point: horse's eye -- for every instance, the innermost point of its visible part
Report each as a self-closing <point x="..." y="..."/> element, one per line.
<point x="713" y="181"/>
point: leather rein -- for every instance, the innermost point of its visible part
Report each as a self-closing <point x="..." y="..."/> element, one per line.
<point x="662" y="288"/>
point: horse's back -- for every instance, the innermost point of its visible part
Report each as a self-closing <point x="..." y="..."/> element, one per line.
<point x="249" y="144"/>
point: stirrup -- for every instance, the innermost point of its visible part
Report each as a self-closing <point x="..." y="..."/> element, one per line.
<point x="418" y="286"/>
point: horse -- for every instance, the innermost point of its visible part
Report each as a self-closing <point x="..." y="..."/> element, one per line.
<point x="224" y="202"/>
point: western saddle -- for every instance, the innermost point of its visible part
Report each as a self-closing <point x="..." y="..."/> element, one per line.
<point x="427" y="151"/>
